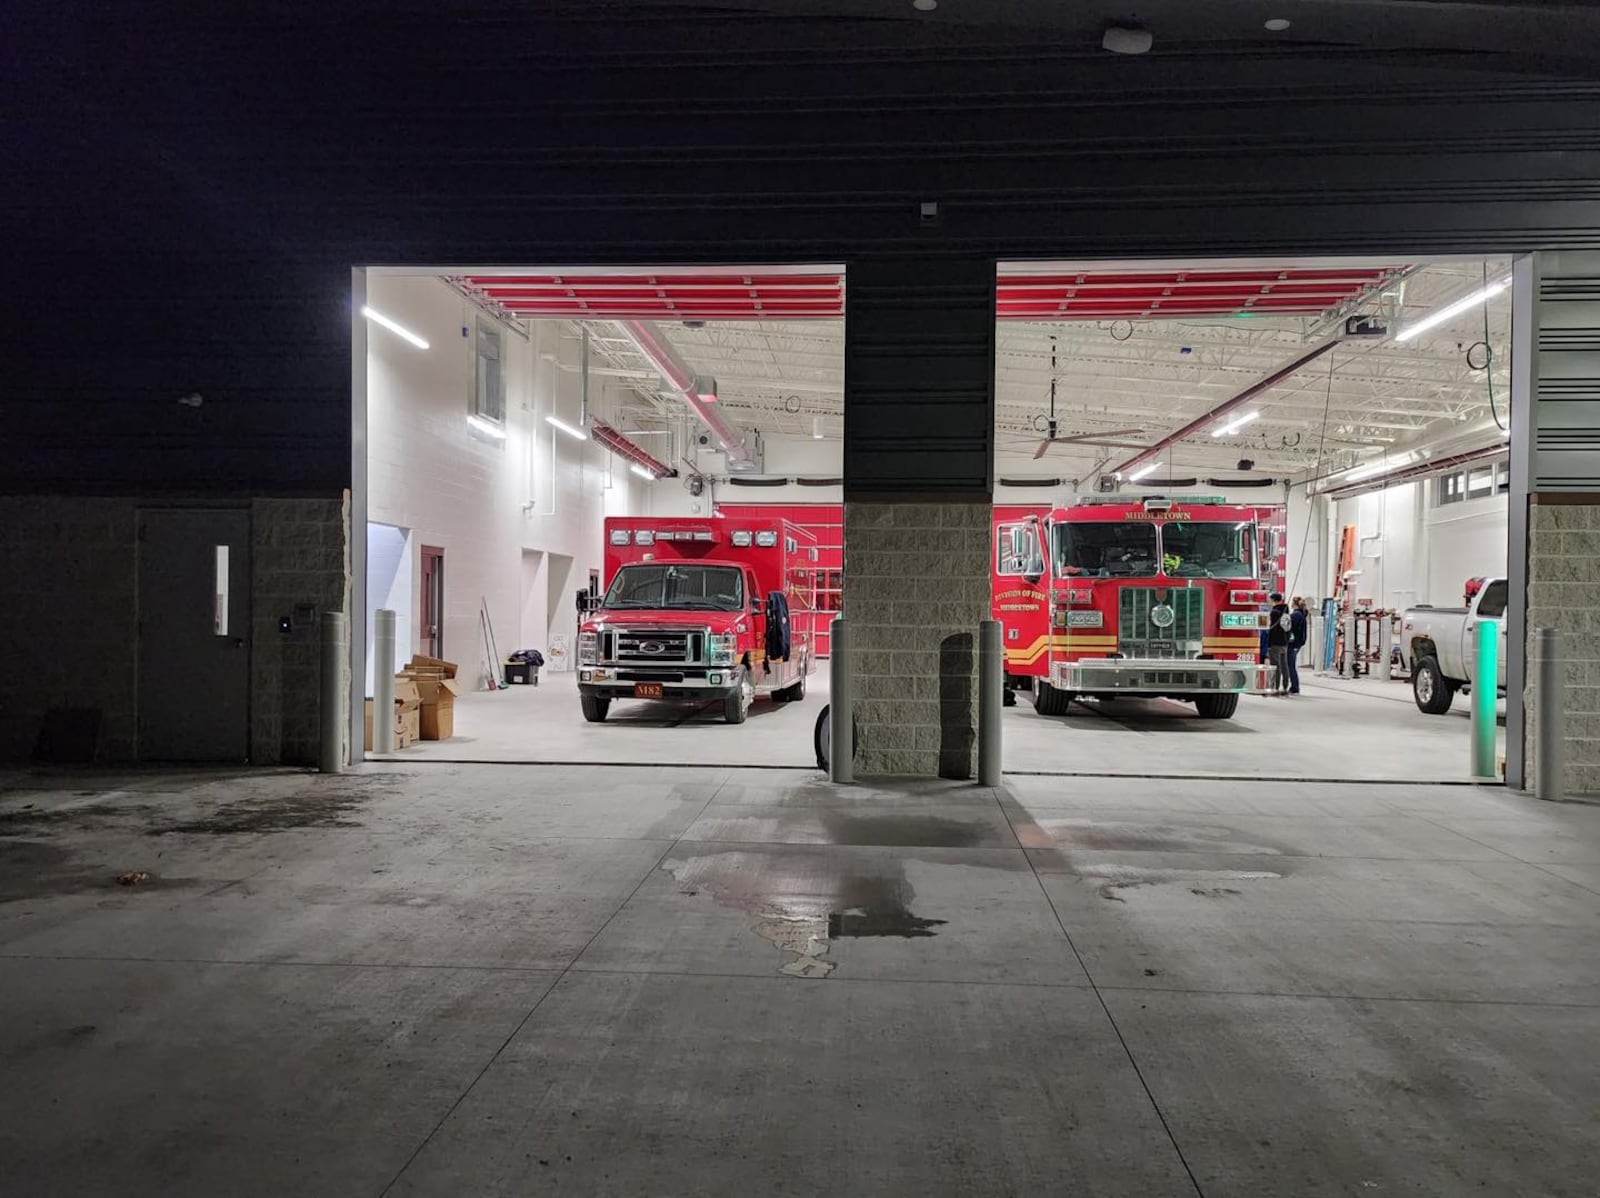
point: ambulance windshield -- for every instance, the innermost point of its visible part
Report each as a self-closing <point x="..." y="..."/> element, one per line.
<point x="1106" y="549"/>
<point x="678" y="586"/>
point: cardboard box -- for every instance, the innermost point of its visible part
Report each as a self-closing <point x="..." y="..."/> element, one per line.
<point x="438" y="708"/>
<point x="407" y="715"/>
<point x="447" y="668"/>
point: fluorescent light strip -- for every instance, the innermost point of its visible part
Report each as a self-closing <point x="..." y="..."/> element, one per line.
<point x="399" y="330"/>
<point x="1229" y="429"/>
<point x="487" y="427"/>
<point x="1141" y="472"/>
<point x="642" y="472"/>
<point x="1450" y="311"/>
<point x="576" y="433"/>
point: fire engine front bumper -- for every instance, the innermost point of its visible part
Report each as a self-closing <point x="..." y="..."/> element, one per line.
<point x="1160" y="676"/>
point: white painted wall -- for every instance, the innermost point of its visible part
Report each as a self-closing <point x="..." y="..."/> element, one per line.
<point x="1427" y="552"/>
<point x="391" y="568"/>
<point x="486" y="502"/>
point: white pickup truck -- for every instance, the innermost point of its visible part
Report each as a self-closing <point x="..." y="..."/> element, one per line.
<point x="1439" y="644"/>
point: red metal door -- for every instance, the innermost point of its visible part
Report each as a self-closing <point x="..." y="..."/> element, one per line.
<point x="431" y="629"/>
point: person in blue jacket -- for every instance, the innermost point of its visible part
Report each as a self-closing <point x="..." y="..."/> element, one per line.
<point x="1299" y="633"/>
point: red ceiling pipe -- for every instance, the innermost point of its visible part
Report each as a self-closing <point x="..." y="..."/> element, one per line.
<point x="617" y="443"/>
<point x="1222" y="409"/>
<point x="699" y="392"/>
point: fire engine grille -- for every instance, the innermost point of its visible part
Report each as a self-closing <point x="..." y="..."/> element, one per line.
<point x="641" y="646"/>
<point x="1140" y="634"/>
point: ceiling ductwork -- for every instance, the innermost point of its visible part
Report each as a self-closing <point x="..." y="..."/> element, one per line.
<point x="698" y="392"/>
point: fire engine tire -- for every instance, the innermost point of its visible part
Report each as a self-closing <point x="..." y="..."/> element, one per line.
<point x="1050" y="701"/>
<point x="1217" y="707"/>
<point x="1430" y="688"/>
<point x="735" y="708"/>
<point x="595" y="707"/>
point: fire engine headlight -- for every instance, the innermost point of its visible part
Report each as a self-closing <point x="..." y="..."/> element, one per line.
<point x="721" y="647"/>
<point x="588" y="649"/>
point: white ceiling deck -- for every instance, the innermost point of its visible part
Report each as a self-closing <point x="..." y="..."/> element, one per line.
<point x="1366" y="398"/>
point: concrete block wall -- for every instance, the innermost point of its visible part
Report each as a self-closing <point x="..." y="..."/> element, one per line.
<point x="916" y="587"/>
<point x="1563" y="581"/>
<point x="300" y="555"/>
<point x="69" y="568"/>
<point x="71" y="571"/>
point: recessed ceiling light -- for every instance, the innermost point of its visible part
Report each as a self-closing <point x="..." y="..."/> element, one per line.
<point x="1279" y="24"/>
<point x="924" y="5"/>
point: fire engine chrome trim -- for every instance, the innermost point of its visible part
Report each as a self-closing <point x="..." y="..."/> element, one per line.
<point x="1163" y="676"/>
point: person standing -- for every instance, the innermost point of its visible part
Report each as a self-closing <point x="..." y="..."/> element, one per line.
<point x="1278" y="626"/>
<point x="1299" y="634"/>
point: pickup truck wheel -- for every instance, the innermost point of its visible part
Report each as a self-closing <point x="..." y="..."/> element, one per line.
<point x="1217" y="707"/>
<point x="1050" y="701"/>
<point x="594" y="707"/>
<point x="1430" y="688"/>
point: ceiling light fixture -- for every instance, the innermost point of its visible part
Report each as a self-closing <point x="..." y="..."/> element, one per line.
<point x="642" y="472"/>
<point x="1278" y="24"/>
<point x="579" y="434"/>
<point x="1127" y="39"/>
<point x="487" y="427"/>
<point x="924" y="5"/>
<point x="816" y="428"/>
<point x="1227" y="430"/>
<point x="395" y="327"/>
<point x="1450" y="311"/>
<point x="1141" y="472"/>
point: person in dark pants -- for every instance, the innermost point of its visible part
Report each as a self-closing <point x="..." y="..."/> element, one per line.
<point x="1278" y="644"/>
<point x="1299" y="633"/>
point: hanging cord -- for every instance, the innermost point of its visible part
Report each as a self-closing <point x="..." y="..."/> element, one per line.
<point x="1488" y="356"/>
<point x="1322" y="441"/>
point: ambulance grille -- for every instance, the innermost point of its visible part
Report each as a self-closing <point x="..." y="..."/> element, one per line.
<point x="641" y="646"/>
<point x="1138" y="634"/>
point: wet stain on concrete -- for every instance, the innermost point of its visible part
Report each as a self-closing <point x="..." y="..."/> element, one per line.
<point x="327" y="806"/>
<point x="800" y="910"/>
<point x="908" y="830"/>
<point x="1113" y="881"/>
<point x="1153" y="838"/>
<point x="880" y="923"/>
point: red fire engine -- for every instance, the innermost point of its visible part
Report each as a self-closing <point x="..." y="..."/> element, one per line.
<point x="1144" y="596"/>
<point x="706" y="610"/>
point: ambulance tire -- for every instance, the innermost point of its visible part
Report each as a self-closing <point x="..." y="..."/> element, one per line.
<point x="1050" y="701"/>
<point x="735" y="708"/>
<point x="793" y="694"/>
<point x="1217" y="707"/>
<point x="595" y="707"/>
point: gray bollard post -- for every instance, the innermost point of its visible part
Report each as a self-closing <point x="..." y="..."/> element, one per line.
<point x="335" y="655"/>
<point x="1385" y="647"/>
<point x="383" y="682"/>
<point x="991" y="694"/>
<point x="1349" y="670"/>
<point x="842" y="749"/>
<point x="1550" y="749"/>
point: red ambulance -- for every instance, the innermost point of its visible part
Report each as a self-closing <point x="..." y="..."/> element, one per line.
<point x="711" y="611"/>
<point x="1115" y="596"/>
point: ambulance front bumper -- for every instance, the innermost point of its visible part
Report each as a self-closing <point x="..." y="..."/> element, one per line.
<point x="1166" y="676"/>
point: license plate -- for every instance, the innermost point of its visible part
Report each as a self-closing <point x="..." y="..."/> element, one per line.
<point x="1163" y="648"/>
<point x="647" y="690"/>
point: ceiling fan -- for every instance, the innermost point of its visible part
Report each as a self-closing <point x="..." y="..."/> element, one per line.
<point x="1052" y="429"/>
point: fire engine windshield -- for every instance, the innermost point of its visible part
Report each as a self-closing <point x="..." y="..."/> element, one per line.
<point x="1196" y="549"/>
<point x="1106" y="549"/>
<point x="677" y="585"/>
